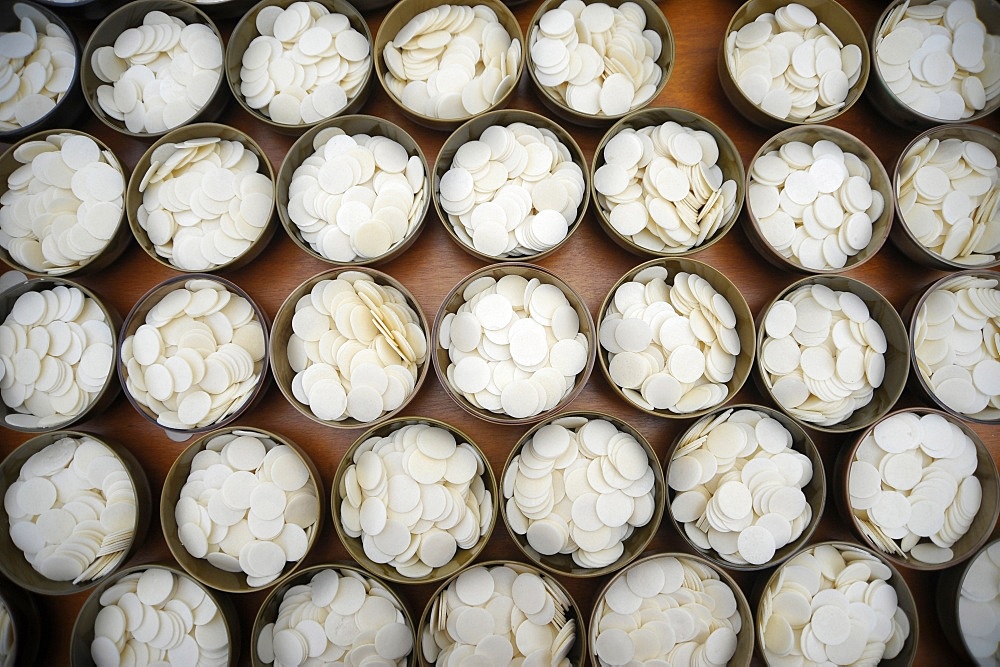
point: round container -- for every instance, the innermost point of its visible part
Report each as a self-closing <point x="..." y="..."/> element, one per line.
<point x="246" y="31"/>
<point x="904" y="596"/>
<point x="745" y="638"/>
<point x="578" y="653"/>
<point x="115" y="245"/>
<point x="401" y="14"/>
<point x="918" y="381"/>
<point x="564" y="564"/>
<point x="471" y="131"/>
<point x="137" y="317"/>
<point x="269" y="610"/>
<point x="282" y="331"/>
<point x="83" y="629"/>
<point x="133" y="198"/>
<point x="454" y="300"/>
<point x="110" y="389"/>
<point x="353" y="544"/>
<point x="722" y="285"/>
<point x="896" y="361"/>
<point x="129" y="16"/>
<point x="889" y="104"/>
<point x="815" y="490"/>
<point x="810" y="134"/>
<point x="655" y="21"/>
<point x="979" y="531"/>
<point x="828" y="12"/>
<point x="66" y="110"/>
<point x="199" y="568"/>
<point x="303" y="148"/>
<point x="729" y="161"/>
<point x="14" y="565"/>
<point x="949" y="593"/>
<point x="900" y="233"/>
<point x="20" y="606"/>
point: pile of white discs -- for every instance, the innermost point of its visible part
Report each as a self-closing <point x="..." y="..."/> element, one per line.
<point x="597" y="58"/>
<point x="356" y="197"/>
<point x="497" y="615"/>
<point x="452" y="61"/>
<point x="823" y="355"/>
<point x="415" y="497"/>
<point x="832" y="604"/>
<point x="913" y="488"/>
<point x="514" y="191"/>
<point x="514" y="345"/>
<point x="561" y="507"/>
<point x="63" y="204"/>
<point x="665" y="610"/>
<point x="956" y="345"/>
<point x="57" y="352"/>
<point x="337" y="614"/>
<point x="158" y="75"/>
<point x="72" y="510"/>
<point x="38" y="62"/>
<point x="662" y="187"/>
<point x="197" y="357"/>
<point x="670" y="346"/>
<point x="203" y="202"/>
<point x="247" y="506"/>
<point x="792" y="65"/>
<point x="949" y="199"/>
<point x="979" y="606"/>
<point x="814" y="204"/>
<point x="938" y="59"/>
<point x="739" y="486"/>
<point x="305" y="64"/>
<point x="356" y="348"/>
<point x="158" y="616"/>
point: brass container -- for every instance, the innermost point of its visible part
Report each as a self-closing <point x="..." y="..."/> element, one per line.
<point x="829" y="12"/>
<point x="110" y="389"/>
<point x="815" y="490"/>
<point x="979" y="531"/>
<point x="896" y="359"/>
<point x="563" y="564"/>
<point x="199" y="568"/>
<point x="722" y="285"/>
<point x="68" y="109"/>
<point x="304" y="147"/>
<point x="133" y="198"/>
<point x="900" y="233"/>
<point x="400" y="15"/>
<point x="281" y="331"/>
<point x="655" y="21"/>
<point x="810" y="134"/>
<point x="949" y="591"/>
<point x="130" y="16"/>
<point x="902" y="114"/>
<point x="246" y="31"/>
<point x="13" y="563"/>
<point x="729" y="161"/>
<point x="454" y="300"/>
<point x="115" y="245"/>
<point x="137" y="317"/>
<point x="471" y="131"/>
<point x="744" y="638"/>
<point x="353" y="544"/>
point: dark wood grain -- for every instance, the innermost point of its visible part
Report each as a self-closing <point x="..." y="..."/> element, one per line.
<point x="589" y="261"/>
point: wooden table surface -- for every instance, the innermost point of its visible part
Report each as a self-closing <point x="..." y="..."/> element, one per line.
<point x="589" y="261"/>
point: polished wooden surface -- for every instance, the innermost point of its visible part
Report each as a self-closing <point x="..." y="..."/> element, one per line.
<point x="589" y="261"/>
